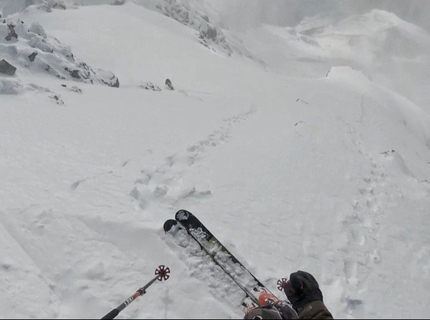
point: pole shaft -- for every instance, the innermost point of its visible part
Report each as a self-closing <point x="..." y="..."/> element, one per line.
<point x="122" y="306"/>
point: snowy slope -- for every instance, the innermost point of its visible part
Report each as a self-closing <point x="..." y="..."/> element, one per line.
<point x="328" y="173"/>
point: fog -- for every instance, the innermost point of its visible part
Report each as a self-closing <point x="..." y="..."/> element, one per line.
<point x="242" y="14"/>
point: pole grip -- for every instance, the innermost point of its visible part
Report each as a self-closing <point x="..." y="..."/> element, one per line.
<point x="111" y="314"/>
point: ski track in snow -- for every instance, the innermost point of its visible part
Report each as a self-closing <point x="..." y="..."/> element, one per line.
<point x="362" y="229"/>
<point x="168" y="184"/>
<point x="30" y="270"/>
<point x="364" y="226"/>
<point x="57" y="270"/>
<point x="67" y="277"/>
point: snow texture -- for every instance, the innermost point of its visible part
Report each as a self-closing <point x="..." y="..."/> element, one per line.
<point x="319" y="161"/>
<point x="10" y="86"/>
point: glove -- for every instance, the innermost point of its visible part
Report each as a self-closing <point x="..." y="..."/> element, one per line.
<point x="301" y="289"/>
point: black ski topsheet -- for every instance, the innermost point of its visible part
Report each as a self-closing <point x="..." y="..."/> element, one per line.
<point x="188" y="224"/>
<point x="215" y="248"/>
<point x="199" y="230"/>
<point x="175" y="229"/>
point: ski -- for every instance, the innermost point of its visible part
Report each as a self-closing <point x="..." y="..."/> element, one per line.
<point x="215" y="248"/>
<point x="221" y="256"/>
<point x="177" y="231"/>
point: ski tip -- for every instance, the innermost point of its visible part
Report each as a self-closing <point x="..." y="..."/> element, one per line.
<point x="169" y="224"/>
<point x="182" y="215"/>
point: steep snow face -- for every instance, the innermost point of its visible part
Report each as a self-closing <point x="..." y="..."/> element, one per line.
<point x="327" y="172"/>
<point x="202" y="17"/>
<point x="377" y="42"/>
<point x="158" y="61"/>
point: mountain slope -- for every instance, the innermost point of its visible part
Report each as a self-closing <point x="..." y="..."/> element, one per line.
<point x="327" y="174"/>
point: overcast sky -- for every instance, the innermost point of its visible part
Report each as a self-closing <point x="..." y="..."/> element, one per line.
<point x="246" y="13"/>
<point x="243" y="13"/>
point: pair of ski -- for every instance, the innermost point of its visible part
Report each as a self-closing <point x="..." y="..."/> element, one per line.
<point x="256" y="294"/>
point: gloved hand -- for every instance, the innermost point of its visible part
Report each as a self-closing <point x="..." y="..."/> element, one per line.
<point x="301" y="289"/>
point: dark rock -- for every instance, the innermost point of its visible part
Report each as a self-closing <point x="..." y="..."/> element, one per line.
<point x="60" y="5"/>
<point x="57" y="99"/>
<point x="75" y="74"/>
<point x="76" y="89"/>
<point x="12" y="33"/>
<point x="118" y="2"/>
<point x="168" y="84"/>
<point x="110" y="83"/>
<point x="32" y="56"/>
<point x="108" y="78"/>
<point x="116" y="84"/>
<point x="7" y="68"/>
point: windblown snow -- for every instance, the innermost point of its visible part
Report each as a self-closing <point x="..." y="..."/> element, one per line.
<point x="303" y="147"/>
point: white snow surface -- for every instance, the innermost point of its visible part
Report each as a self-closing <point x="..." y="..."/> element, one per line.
<point x="321" y="167"/>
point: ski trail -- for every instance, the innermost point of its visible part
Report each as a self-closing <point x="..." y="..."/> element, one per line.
<point x="70" y="258"/>
<point x="105" y="173"/>
<point x="361" y="226"/>
<point x="168" y="183"/>
<point x="112" y="232"/>
<point x="17" y="267"/>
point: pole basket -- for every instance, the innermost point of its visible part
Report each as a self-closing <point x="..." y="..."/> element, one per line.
<point x="281" y="283"/>
<point x="162" y="272"/>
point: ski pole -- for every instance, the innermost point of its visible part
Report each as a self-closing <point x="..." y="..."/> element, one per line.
<point x="162" y="273"/>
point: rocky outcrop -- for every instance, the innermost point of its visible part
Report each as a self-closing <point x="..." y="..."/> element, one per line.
<point x="14" y="6"/>
<point x="30" y="47"/>
<point x="185" y="13"/>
